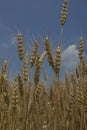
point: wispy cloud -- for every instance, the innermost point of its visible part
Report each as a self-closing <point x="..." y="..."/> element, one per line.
<point x="4" y="45"/>
<point x="10" y="42"/>
<point x="70" y="58"/>
<point x="13" y="40"/>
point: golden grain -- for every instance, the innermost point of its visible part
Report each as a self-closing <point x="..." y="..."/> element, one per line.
<point x="27" y="105"/>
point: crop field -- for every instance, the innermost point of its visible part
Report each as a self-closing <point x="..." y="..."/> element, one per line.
<point x="34" y="106"/>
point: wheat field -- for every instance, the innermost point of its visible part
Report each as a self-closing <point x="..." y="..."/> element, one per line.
<point x="34" y="106"/>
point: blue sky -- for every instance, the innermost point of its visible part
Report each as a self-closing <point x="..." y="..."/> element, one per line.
<point x="35" y="19"/>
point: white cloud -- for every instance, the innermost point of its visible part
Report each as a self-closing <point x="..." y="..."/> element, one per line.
<point x="70" y="58"/>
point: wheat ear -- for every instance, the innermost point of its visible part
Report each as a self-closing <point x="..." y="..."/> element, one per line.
<point x="38" y="67"/>
<point x="20" y="46"/>
<point x="25" y="68"/>
<point x="81" y="48"/>
<point x="57" y="61"/>
<point x="49" y="52"/>
<point x="34" y="54"/>
<point x="64" y="13"/>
